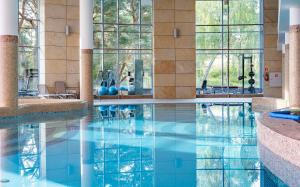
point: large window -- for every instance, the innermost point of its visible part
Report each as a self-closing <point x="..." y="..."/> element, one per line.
<point x="123" y="43"/>
<point x="28" y="45"/>
<point x="225" y="32"/>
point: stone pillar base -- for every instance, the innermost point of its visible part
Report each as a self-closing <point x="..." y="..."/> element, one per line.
<point x="9" y="71"/>
<point x="86" y="77"/>
<point x="294" y="64"/>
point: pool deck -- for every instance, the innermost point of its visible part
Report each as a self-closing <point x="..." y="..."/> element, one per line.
<point x="27" y="106"/>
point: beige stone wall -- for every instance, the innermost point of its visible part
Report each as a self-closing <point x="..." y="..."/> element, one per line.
<point x="174" y="58"/>
<point x="273" y="57"/>
<point x="59" y="54"/>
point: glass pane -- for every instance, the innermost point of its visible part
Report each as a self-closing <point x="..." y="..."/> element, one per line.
<point x="146" y="29"/>
<point x="209" y="68"/>
<point x="110" y="40"/>
<point x="126" y="65"/>
<point x="211" y="8"/>
<point x="129" y="12"/>
<point x="97" y="68"/>
<point x="28" y="37"/>
<point x="128" y="40"/>
<point x="146" y="11"/>
<point x="147" y="59"/>
<point x="98" y="40"/>
<point x="110" y="60"/>
<point x="29" y="9"/>
<point x="217" y="29"/>
<point x="245" y="37"/>
<point x="97" y="17"/>
<point x="27" y="59"/>
<point x="244" y="12"/>
<point x="209" y="40"/>
<point x="235" y="70"/>
<point x="146" y="41"/>
<point x="110" y="11"/>
<point x="98" y="27"/>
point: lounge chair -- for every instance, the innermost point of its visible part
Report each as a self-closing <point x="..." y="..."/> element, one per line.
<point x="44" y="92"/>
<point x="61" y="91"/>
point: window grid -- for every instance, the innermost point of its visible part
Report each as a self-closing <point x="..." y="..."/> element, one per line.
<point x="225" y="28"/>
<point x="28" y="48"/>
<point x="114" y="28"/>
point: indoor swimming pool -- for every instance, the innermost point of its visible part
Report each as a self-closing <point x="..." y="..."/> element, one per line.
<point x="164" y="145"/>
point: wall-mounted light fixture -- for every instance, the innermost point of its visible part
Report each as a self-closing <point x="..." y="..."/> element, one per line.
<point x="67" y="30"/>
<point x="176" y="33"/>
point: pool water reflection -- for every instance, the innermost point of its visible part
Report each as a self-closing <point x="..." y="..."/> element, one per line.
<point x="142" y="145"/>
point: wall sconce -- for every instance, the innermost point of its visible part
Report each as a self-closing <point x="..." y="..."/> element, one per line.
<point x="176" y="33"/>
<point x="67" y="30"/>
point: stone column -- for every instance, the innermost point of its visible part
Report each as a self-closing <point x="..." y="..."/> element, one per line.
<point x="294" y="57"/>
<point x="286" y="49"/>
<point x="86" y="51"/>
<point x="9" y="54"/>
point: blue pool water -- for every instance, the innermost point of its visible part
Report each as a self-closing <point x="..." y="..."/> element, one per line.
<point x="165" y="145"/>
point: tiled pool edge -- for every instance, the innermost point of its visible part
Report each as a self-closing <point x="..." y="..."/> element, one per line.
<point x="282" y="137"/>
<point x="29" y="106"/>
<point x="170" y="101"/>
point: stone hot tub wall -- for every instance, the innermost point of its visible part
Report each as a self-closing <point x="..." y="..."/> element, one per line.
<point x="282" y="137"/>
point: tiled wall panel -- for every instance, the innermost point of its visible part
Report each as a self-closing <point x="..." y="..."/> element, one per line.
<point x="174" y="58"/>
<point x="59" y="54"/>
